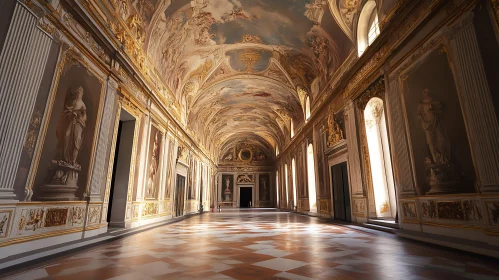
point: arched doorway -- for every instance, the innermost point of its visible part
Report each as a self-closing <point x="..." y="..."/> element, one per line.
<point x="380" y="159"/>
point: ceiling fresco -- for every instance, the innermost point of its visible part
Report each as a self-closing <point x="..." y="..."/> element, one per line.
<point x="235" y="65"/>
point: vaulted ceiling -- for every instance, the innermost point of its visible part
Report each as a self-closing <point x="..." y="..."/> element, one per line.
<point x="241" y="69"/>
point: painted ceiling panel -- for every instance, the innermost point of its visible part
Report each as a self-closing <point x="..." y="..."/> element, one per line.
<point x="235" y="65"/>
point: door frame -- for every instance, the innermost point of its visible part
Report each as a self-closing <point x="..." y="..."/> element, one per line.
<point x="238" y="193"/>
<point x="347" y="208"/>
<point x="333" y="160"/>
<point x="135" y="113"/>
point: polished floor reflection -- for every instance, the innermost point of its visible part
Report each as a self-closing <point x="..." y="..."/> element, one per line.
<point x="264" y="245"/>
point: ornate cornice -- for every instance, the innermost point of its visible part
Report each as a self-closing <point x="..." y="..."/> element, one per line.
<point x="495" y="10"/>
<point x="368" y="67"/>
<point x="377" y="89"/>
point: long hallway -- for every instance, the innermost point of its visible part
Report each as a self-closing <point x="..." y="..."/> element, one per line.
<point x="263" y="244"/>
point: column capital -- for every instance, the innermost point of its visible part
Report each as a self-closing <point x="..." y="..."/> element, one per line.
<point x="460" y="24"/>
<point x="32" y="7"/>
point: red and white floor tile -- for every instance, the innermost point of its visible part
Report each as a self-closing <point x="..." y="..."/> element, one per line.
<point x="263" y="245"/>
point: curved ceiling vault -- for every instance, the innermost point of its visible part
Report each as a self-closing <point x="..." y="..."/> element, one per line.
<point x="236" y="65"/>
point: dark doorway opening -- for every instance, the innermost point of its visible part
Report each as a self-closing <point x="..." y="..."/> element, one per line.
<point x="121" y="171"/>
<point x="341" y="192"/>
<point x="180" y="196"/>
<point x="245" y="196"/>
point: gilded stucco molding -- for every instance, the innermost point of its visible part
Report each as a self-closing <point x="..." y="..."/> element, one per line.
<point x="495" y="10"/>
<point x="377" y="89"/>
<point x="85" y="36"/>
<point x="33" y="7"/>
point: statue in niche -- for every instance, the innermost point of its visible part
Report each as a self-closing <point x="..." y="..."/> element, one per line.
<point x="76" y="117"/>
<point x="227" y="191"/>
<point x="70" y="134"/>
<point x="335" y="134"/>
<point x="428" y="114"/>
<point x="153" y="167"/>
<point x="442" y="175"/>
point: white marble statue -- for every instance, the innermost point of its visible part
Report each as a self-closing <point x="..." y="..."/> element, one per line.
<point x="74" y="127"/>
<point x="428" y="114"/>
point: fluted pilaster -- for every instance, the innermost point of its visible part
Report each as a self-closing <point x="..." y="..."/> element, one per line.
<point x="482" y="125"/>
<point x="101" y="155"/>
<point x="353" y="150"/>
<point x="22" y="61"/>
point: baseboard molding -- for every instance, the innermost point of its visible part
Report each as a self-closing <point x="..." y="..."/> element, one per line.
<point x="14" y="263"/>
<point x="476" y="247"/>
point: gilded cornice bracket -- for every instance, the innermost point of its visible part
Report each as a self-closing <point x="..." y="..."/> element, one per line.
<point x="377" y="89"/>
<point x="33" y="7"/>
<point x="495" y="10"/>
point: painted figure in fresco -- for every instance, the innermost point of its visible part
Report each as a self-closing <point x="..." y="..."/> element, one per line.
<point x="153" y="167"/>
<point x="227" y="192"/>
<point x="428" y="114"/>
<point x="73" y="126"/>
<point x="2" y="224"/>
<point x="315" y="11"/>
<point x="236" y="13"/>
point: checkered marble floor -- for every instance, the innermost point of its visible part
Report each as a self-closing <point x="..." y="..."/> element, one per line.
<point x="263" y="245"/>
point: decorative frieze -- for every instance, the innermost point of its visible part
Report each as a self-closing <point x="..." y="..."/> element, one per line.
<point x="6" y="216"/>
<point x="409" y="210"/>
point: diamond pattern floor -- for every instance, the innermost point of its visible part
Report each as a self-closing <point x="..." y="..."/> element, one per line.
<point x="263" y="245"/>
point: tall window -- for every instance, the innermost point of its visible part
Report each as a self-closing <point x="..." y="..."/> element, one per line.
<point x="286" y="185"/>
<point x="368" y="26"/>
<point x="307" y="108"/>
<point x="379" y="157"/>
<point x="312" y="197"/>
<point x="293" y="173"/>
<point x="373" y="30"/>
<point x="277" y="186"/>
<point x="292" y="129"/>
<point x="276" y="150"/>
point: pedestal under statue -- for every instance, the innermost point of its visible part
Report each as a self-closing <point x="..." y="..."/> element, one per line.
<point x="64" y="170"/>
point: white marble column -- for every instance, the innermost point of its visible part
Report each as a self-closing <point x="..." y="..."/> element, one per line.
<point x="22" y="62"/>
<point x="353" y="150"/>
<point x="476" y="101"/>
<point x="106" y="129"/>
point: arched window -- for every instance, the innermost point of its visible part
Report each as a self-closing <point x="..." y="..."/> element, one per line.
<point x="292" y="129"/>
<point x="293" y="173"/>
<point x="368" y="26"/>
<point x="287" y="184"/>
<point x="312" y="197"/>
<point x="379" y="157"/>
<point x="307" y="108"/>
